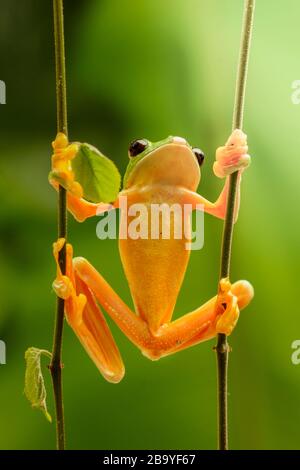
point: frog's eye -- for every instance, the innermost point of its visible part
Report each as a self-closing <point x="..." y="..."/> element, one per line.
<point x="137" y="146"/>
<point x="199" y="155"/>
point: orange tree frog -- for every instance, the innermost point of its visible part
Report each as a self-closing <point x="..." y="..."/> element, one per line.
<point x="165" y="172"/>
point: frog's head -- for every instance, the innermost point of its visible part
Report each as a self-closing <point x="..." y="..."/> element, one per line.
<point x="171" y="161"/>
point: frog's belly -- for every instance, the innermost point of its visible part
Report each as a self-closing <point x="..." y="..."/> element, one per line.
<point x="155" y="270"/>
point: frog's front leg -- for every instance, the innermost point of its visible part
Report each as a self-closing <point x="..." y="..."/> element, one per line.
<point x="232" y="157"/>
<point x="63" y="175"/>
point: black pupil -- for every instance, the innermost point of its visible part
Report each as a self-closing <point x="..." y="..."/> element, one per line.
<point x="199" y="155"/>
<point x="137" y="146"/>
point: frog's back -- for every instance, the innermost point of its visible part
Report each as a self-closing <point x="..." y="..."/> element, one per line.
<point x="155" y="267"/>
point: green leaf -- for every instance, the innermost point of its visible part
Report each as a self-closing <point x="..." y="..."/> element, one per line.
<point x="98" y="176"/>
<point x="35" y="390"/>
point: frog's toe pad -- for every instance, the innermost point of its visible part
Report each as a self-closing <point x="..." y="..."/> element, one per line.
<point x="228" y="319"/>
<point x="63" y="287"/>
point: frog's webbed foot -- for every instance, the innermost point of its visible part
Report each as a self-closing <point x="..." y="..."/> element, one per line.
<point x="64" y="284"/>
<point x="233" y="156"/>
<point x="227" y="308"/>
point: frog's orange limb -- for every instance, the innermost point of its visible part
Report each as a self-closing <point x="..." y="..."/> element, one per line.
<point x="62" y="174"/>
<point x="83" y="288"/>
<point x="82" y="209"/>
<point x="230" y="158"/>
<point x="190" y="329"/>
<point x="226" y="317"/>
<point x="96" y="337"/>
<point x="226" y="299"/>
<point x="85" y="317"/>
<point x="218" y="208"/>
<point x="233" y="156"/>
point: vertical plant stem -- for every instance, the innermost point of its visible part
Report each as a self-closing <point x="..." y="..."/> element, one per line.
<point x="61" y="103"/>
<point x="222" y="347"/>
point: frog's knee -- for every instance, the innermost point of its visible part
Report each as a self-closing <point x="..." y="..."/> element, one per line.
<point x="151" y="351"/>
<point x="244" y="292"/>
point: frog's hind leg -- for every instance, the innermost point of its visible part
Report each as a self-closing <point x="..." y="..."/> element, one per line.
<point x="96" y="337"/>
<point x="221" y="312"/>
<point x="86" y="319"/>
<point x="218" y="315"/>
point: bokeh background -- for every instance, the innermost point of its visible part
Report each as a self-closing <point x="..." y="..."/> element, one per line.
<point x="149" y="69"/>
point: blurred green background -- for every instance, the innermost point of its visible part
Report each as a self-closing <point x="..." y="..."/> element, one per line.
<point x="149" y="69"/>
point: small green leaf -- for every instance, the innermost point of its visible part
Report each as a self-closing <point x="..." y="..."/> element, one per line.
<point x="35" y="390"/>
<point x="98" y="176"/>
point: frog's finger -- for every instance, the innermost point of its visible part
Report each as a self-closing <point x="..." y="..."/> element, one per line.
<point x="225" y="154"/>
<point x="237" y="137"/>
<point x="236" y="165"/>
